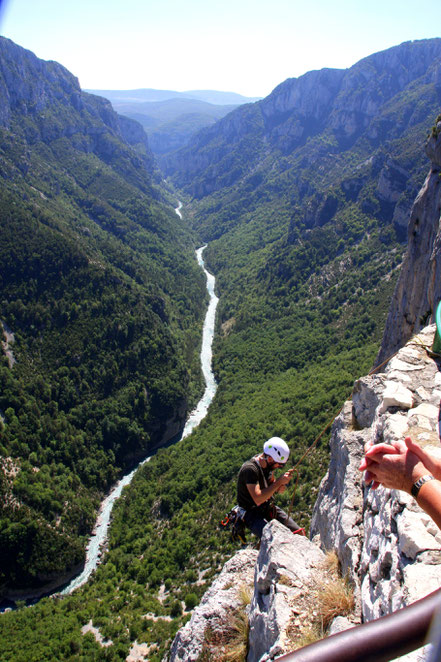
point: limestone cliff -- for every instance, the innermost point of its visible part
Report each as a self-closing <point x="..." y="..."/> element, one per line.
<point x="418" y="290"/>
<point x="327" y="129"/>
<point x="389" y="547"/>
<point x="50" y="97"/>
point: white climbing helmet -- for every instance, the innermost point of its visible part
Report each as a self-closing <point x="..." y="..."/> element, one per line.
<point x="277" y="449"/>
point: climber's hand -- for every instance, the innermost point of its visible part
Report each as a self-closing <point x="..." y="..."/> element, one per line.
<point x="286" y="477"/>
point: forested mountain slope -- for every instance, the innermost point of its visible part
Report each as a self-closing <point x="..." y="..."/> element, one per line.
<point x="305" y="198"/>
<point x="102" y="292"/>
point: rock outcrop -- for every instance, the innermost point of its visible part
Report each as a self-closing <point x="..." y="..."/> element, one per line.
<point x="210" y="618"/>
<point x="281" y="578"/>
<point x="286" y="572"/>
<point x="50" y="96"/>
<point x="418" y="290"/>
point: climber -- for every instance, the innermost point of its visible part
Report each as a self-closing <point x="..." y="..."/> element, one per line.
<point x="256" y="486"/>
<point x="408" y="467"/>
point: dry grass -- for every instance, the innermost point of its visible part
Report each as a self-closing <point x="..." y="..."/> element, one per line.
<point x="331" y="564"/>
<point x="244" y="594"/>
<point x="335" y="598"/>
<point x="229" y="643"/>
<point x="330" y="596"/>
<point x="236" y="649"/>
<point x="309" y="634"/>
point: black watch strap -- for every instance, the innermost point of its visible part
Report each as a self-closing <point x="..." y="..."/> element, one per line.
<point x="419" y="483"/>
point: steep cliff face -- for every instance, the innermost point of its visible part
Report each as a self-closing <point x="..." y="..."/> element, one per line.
<point x="418" y="290"/>
<point x="386" y="543"/>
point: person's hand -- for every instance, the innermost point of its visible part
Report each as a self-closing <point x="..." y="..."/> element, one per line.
<point x="371" y="449"/>
<point x="395" y="465"/>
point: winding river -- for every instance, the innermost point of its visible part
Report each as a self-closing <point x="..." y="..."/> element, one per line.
<point x="99" y="535"/>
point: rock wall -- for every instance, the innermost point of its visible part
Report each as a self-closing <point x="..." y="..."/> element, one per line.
<point x="418" y="290"/>
<point x="210" y="618"/>
<point x="286" y="571"/>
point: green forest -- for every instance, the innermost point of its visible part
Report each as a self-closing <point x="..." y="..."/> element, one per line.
<point x="103" y="293"/>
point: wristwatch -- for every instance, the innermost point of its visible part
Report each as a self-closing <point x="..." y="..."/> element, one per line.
<point x="419" y="483"/>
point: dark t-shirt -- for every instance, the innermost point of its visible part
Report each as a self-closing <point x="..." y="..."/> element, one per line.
<point x="251" y="473"/>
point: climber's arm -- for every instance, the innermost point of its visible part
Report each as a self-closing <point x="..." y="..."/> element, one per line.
<point x="260" y="495"/>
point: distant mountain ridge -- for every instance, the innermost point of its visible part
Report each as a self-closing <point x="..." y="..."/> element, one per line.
<point x="152" y="95"/>
<point x="171" y="118"/>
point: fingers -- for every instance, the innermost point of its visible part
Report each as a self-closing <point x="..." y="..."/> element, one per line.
<point x="370" y="481"/>
<point x="385" y="449"/>
<point x="415" y="448"/>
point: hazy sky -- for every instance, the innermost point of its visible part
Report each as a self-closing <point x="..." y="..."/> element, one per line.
<point x="245" y="46"/>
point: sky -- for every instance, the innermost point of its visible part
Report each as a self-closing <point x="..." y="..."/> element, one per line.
<point x="244" y="46"/>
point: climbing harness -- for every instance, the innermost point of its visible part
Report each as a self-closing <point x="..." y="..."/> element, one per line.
<point x="234" y="520"/>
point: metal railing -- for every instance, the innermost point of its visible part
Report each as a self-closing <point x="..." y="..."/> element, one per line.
<point x="381" y="640"/>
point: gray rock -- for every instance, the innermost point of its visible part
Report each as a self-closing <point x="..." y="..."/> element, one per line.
<point x="287" y="564"/>
<point x="366" y="397"/>
<point x="338" y="512"/>
<point x="340" y="624"/>
<point x="418" y="290"/>
<point x="218" y="602"/>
